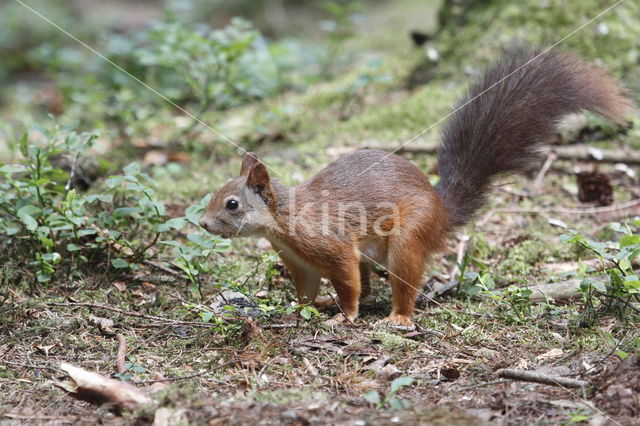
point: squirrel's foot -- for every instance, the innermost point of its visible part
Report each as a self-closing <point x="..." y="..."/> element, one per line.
<point x="324" y="302"/>
<point x="399" y="321"/>
<point x="340" y="319"/>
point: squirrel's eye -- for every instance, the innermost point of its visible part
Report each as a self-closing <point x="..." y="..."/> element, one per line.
<point x="232" y="205"/>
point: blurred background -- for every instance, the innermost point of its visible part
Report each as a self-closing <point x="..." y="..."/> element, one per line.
<point x="338" y="61"/>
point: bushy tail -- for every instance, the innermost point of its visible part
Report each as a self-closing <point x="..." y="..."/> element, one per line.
<point x="516" y="105"/>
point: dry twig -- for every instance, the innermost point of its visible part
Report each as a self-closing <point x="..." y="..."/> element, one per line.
<point x="122" y="351"/>
<point x="132" y="314"/>
<point x="534" y="376"/>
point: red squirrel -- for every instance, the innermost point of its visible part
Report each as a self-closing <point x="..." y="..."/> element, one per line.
<point x="374" y="207"/>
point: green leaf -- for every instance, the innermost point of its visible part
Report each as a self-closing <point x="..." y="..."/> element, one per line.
<point x="10" y="169"/>
<point x="24" y="214"/>
<point x="206" y="316"/>
<point x="105" y="198"/>
<point x="132" y="169"/>
<point x="372" y="397"/>
<point x="125" y="211"/>
<point x="595" y="284"/>
<point x="619" y="228"/>
<point x="396" y="404"/>
<point x="308" y="311"/>
<point x="177" y="223"/>
<point x="53" y="258"/>
<point x="138" y="369"/>
<point x="577" y="418"/>
<point x="119" y="263"/>
<point x="401" y="382"/>
<point x="622" y="355"/>
<point x="114" y="181"/>
<point x="629" y="240"/>
<point x="73" y="247"/>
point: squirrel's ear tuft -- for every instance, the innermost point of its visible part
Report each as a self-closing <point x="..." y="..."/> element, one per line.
<point x="258" y="177"/>
<point x="249" y="160"/>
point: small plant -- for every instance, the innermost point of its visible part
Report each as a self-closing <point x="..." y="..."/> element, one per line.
<point x="49" y="226"/>
<point x="614" y="292"/>
<point x="211" y="68"/>
<point x="307" y="312"/>
<point x="191" y="256"/>
<point x="390" y="399"/>
<point x="130" y="368"/>
<point x="471" y="283"/>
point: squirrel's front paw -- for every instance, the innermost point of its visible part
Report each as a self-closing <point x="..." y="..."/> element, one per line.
<point x="340" y="319"/>
<point x="324" y="302"/>
<point x="402" y="322"/>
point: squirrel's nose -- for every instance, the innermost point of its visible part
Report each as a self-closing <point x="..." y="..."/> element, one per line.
<point x="203" y="223"/>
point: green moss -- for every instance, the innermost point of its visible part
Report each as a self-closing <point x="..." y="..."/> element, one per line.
<point x="393" y="342"/>
<point x="522" y="258"/>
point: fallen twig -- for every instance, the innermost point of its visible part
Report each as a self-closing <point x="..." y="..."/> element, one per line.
<point x="132" y="314"/>
<point x="122" y="350"/>
<point x="481" y="385"/>
<point x="534" y="376"/>
<point x="577" y="152"/>
<point x="556" y="291"/>
<point x="276" y="326"/>
<point x="161" y="267"/>
<point x="537" y="183"/>
<point x="559" y="210"/>
<point x="462" y="247"/>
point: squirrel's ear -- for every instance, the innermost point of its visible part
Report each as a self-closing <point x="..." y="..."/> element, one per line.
<point x="258" y="177"/>
<point x="249" y="160"/>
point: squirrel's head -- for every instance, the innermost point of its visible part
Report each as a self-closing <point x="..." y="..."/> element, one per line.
<point x="241" y="207"/>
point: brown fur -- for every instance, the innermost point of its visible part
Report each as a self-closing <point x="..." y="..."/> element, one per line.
<point x="351" y="215"/>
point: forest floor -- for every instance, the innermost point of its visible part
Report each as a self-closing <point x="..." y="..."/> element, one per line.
<point x="260" y="362"/>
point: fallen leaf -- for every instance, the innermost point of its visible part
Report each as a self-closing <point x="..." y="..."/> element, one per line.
<point x="180" y="157"/>
<point x="553" y="353"/>
<point x="378" y="363"/>
<point x="96" y="388"/>
<point x="122" y="287"/>
<point x="156" y="158"/>
<point x="103" y="324"/>
<point x="45" y="349"/>
<point x="388" y="372"/>
<point x="170" y="416"/>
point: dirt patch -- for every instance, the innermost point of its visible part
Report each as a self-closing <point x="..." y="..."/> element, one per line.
<point x="617" y="390"/>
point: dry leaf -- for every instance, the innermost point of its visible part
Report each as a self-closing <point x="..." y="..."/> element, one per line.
<point x="388" y="372"/>
<point x="180" y="157"/>
<point x="105" y="325"/>
<point x="170" y="416"/>
<point x="94" y="387"/>
<point x="553" y="353"/>
<point x="156" y="158"/>
<point x="45" y="349"/>
<point x="120" y="286"/>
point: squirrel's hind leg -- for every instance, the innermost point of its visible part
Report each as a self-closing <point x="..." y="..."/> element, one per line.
<point x="406" y="265"/>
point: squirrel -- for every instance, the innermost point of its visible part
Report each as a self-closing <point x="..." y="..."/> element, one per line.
<point x="373" y="207"/>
